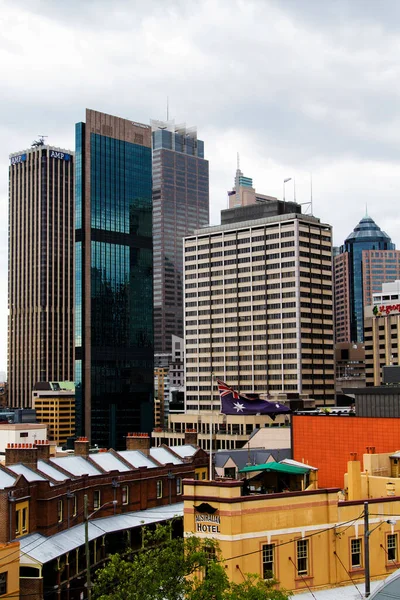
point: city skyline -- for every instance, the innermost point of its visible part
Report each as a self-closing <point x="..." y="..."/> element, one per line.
<point x="328" y="106"/>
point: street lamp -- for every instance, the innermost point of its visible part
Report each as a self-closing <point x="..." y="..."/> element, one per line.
<point x="284" y="182"/>
<point x="367" y="533"/>
<point x="86" y="519"/>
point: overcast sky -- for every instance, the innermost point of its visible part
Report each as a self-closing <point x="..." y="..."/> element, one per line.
<point x="295" y="86"/>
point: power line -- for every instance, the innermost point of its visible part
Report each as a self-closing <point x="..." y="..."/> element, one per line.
<point x="319" y="531"/>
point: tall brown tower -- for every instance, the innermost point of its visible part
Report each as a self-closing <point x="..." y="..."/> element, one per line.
<point x="40" y="269"/>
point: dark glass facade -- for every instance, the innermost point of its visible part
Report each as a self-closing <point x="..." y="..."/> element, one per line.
<point x="366" y="236"/>
<point x="114" y="280"/>
<point x="180" y="205"/>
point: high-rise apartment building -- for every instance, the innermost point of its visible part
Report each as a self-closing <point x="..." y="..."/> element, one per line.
<point x="40" y="269"/>
<point x="180" y="205"/>
<point x="367" y="236"/>
<point x="258" y="309"/>
<point x="114" y="279"/>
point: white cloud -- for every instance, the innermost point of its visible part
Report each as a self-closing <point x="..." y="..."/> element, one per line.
<point x="294" y="87"/>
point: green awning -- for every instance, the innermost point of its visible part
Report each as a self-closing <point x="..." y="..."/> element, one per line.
<point x="275" y="467"/>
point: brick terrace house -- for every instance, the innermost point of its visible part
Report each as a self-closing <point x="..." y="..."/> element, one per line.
<point x="42" y="506"/>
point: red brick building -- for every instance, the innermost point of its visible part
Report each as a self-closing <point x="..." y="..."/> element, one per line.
<point x="327" y="442"/>
<point x="42" y="505"/>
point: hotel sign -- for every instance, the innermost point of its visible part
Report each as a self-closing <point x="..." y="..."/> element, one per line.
<point x="207" y="523"/>
<point x="18" y="159"/>
<point x="380" y="311"/>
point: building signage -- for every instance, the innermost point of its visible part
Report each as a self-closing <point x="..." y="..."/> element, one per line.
<point x="383" y="310"/>
<point x="60" y="155"/>
<point x="207" y="523"/>
<point x="18" y="159"/>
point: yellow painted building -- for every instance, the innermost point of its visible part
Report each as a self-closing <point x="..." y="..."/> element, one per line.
<point x="9" y="570"/>
<point x="55" y="407"/>
<point x="307" y="539"/>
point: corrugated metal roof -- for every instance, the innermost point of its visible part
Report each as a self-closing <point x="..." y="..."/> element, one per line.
<point x="137" y="458"/>
<point x="109" y="462"/>
<point x="276" y="467"/>
<point x="6" y="480"/>
<point x="164" y="456"/>
<point x="41" y="549"/>
<point x="184" y="451"/>
<point x="51" y="471"/>
<point x="29" y="475"/>
<point x="76" y="465"/>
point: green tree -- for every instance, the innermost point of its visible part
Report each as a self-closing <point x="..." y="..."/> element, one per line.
<point x="173" y="569"/>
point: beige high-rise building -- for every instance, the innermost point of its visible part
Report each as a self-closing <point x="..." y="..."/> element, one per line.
<point x="258" y="309"/>
<point x="40" y="272"/>
<point x="382" y="332"/>
<point x="341" y="297"/>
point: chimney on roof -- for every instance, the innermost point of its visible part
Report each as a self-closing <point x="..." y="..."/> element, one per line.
<point x="191" y="437"/>
<point x="81" y="446"/>
<point x="21" y="453"/>
<point x="43" y="449"/>
<point x="138" y="441"/>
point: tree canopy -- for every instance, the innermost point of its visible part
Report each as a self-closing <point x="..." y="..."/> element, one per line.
<point x="167" y="568"/>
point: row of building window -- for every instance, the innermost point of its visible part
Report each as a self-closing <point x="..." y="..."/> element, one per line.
<point x="303" y="555"/>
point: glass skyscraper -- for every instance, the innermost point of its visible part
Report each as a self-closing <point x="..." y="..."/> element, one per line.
<point x="366" y="236"/>
<point x="114" y="279"/>
<point x="180" y="205"/>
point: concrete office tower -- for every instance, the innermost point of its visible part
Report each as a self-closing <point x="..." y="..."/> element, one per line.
<point x="114" y="279"/>
<point x="180" y="205"/>
<point x="40" y="269"/>
<point x="349" y="303"/>
<point x="258" y="309"/>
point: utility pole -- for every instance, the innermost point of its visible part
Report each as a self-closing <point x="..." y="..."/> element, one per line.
<point x="366" y="551"/>
<point x="87" y="552"/>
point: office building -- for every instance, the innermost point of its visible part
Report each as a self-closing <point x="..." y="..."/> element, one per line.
<point x="54" y="403"/>
<point x="114" y="279"/>
<point x="161" y="395"/>
<point x="382" y="332"/>
<point x="349" y="370"/>
<point x="341" y="286"/>
<point x="378" y="267"/>
<point x="40" y="274"/>
<point x="357" y="274"/>
<point x="244" y="194"/>
<point x="258" y="309"/>
<point x="169" y="384"/>
<point x="180" y="205"/>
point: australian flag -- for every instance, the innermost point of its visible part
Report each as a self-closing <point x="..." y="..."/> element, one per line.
<point x="233" y="403"/>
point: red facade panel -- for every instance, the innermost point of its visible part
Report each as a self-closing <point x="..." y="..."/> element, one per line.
<point x="326" y="442"/>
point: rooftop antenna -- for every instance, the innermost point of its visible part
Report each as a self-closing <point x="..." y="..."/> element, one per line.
<point x="39" y="142"/>
<point x="366" y="209"/>
<point x="238" y="161"/>
<point x="167" y="108"/>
